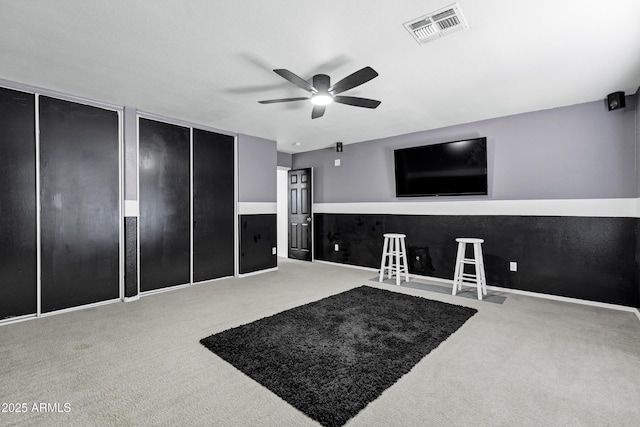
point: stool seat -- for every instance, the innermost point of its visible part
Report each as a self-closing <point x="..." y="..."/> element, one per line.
<point x="469" y="240"/>
<point x="395" y="235"/>
<point x="477" y="278"/>
<point x="394" y="257"/>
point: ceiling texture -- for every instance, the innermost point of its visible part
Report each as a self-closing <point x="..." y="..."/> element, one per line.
<point x="210" y="61"/>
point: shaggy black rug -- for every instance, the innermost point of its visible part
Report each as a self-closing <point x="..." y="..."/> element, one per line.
<point x="330" y="358"/>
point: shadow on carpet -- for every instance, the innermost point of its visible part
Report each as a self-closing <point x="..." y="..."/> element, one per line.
<point x="331" y="357"/>
<point x="466" y="292"/>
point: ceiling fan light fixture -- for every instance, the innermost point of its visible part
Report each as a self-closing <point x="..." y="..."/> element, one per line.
<point x="323" y="93"/>
<point x="321" y="99"/>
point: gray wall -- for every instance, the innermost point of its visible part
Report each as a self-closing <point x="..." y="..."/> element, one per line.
<point x="130" y="153"/>
<point x="576" y="152"/>
<point x="284" y="159"/>
<point x="257" y="165"/>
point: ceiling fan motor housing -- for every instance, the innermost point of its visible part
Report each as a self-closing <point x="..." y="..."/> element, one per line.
<point x="322" y="82"/>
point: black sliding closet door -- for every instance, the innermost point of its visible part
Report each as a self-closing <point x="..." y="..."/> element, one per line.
<point x="79" y="194"/>
<point x="164" y="170"/>
<point x="213" y="213"/>
<point x="18" y="206"/>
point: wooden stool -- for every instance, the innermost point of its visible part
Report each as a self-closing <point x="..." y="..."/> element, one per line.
<point x="394" y="247"/>
<point x="477" y="278"/>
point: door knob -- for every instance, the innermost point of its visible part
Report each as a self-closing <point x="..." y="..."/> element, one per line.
<point x="308" y="219"/>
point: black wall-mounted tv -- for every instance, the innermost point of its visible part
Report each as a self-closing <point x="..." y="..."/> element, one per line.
<point x="447" y="169"/>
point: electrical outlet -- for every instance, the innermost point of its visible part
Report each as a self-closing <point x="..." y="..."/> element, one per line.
<point x="274" y="250"/>
<point x="336" y="247"/>
<point x="513" y="266"/>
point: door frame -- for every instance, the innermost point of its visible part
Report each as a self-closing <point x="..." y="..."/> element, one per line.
<point x="279" y="201"/>
<point x="313" y="225"/>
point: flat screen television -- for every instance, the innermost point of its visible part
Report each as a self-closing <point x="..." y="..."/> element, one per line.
<point x="447" y="169"/>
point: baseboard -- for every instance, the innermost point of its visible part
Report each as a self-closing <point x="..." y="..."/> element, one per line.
<point x="172" y="288"/>
<point x="204" y="282"/>
<point x="566" y="299"/>
<point x="253" y="273"/>
<point x="163" y="290"/>
<point x="80" y="307"/>
<point x="506" y="290"/>
<point x="357" y="267"/>
<point x="17" y="319"/>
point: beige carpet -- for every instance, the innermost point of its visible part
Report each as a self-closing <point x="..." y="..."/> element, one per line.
<point x="526" y="362"/>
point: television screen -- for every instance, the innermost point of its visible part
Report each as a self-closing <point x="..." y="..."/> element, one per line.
<point x="447" y="169"/>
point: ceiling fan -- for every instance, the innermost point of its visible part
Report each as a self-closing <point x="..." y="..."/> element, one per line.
<point x="323" y="93"/>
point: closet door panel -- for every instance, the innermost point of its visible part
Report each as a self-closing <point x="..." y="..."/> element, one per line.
<point x="164" y="169"/>
<point x="213" y="205"/>
<point x="17" y="204"/>
<point x="79" y="196"/>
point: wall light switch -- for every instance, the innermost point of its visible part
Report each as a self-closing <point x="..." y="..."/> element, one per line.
<point x="336" y="162"/>
<point x="274" y="250"/>
<point x="513" y="266"/>
<point x="335" y="247"/>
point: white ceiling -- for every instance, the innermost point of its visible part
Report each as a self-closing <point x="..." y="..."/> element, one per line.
<point x="210" y="61"/>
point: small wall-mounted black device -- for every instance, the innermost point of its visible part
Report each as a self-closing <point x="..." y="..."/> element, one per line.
<point x="615" y="101"/>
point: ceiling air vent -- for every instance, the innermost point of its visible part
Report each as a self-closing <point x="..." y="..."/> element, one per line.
<point x="437" y="24"/>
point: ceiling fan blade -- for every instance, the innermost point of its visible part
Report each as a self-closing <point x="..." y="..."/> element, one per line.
<point x="296" y="80"/>
<point x="357" y="102"/>
<point x="318" y="111"/>
<point x="273" y="101"/>
<point x="353" y="80"/>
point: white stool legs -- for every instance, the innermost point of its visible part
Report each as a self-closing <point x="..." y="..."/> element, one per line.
<point x="477" y="278"/>
<point x="394" y="257"/>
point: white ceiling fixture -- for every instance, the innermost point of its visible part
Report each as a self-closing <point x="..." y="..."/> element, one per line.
<point x="437" y="24"/>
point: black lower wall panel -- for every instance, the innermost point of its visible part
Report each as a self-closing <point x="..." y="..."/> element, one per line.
<point x="258" y="236"/>
<point x="131" y="257"/>
<point x="591" y="258"/>
<point x="637" y="252"/>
